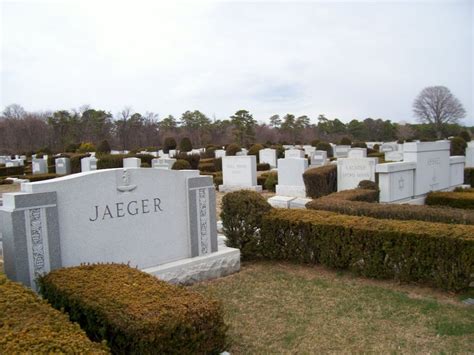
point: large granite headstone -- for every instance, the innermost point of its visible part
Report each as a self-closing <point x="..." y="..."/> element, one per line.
<point x="161" y="221"/>
<point x="351" y="171"/>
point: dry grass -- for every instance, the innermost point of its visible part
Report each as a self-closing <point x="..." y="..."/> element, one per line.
<point x="9" y="188"/>
<point x="286" y="308"/>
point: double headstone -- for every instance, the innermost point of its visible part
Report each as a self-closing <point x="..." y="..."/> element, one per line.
<point x="351" y="171"/>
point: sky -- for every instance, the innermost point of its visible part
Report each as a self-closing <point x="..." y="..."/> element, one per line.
<point x="344" y="59"/>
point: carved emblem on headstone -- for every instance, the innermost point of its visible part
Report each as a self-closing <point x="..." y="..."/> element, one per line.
<point x="126" y="186"/>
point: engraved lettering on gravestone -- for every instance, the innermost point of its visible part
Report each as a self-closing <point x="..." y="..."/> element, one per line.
<point x="122" y="209"/>
<point x="401" y="183"/>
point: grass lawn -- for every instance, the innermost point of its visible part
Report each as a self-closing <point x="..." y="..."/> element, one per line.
<point x="286" y="308"/>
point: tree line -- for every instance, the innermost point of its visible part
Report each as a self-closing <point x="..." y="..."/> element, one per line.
<point x="24" y="132"/>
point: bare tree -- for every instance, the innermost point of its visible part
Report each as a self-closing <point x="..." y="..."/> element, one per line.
<point x="436" y="105"/>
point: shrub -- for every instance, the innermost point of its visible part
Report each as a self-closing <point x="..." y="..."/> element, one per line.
<point x="314" y="143"/>
<point x="345" y="141"/>
<point x="377" y="147"/>
<point x="367" y="195"/>
<point x="145" y="158"/>
<point x="218" y="164"/>
<point x="86" y="147"/>
<point x="465" y="135"/>
<point x="271" y="181"/>
<point x="40" y="177"/>
<point x="111" y="161"/>
<point x="185" y="145"/>
<point x="71" y="147"/>
<point x="5" y="182"/>
<point x="104" y="147"/>
<point x="345" y="204"/>
<point x="207" y="167"/>
<point x="437" y="254"/>
<point x="263" y="166"/>
<point x="14" y="170"/>
<point x="170" y="143"/>
<point x="76" y="162"/>
<point x="181" y="164"/>
<point x="254" y="149"/>
<point x="325" y="146"/>
<point x="232" y="149"/>
<point x="192" y="159"/>
<point x="320" y="181"/>
<point x="241" y="216"/>
<point x="30" y="326"/>
<point x="359" y="145"/>
<point x="463" y="200"/>
<point x="458" y="146"/>
<point x="135" y="312"/>
<point x="469" y="176"/>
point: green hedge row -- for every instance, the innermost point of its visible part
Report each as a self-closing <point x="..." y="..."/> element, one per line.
<point x="464" y="200"/>
<point x="28" y="325"/>
<point x="436" y="254"/>
<point x="14" y="170"/>
<point x="320" y="181"/>
<point x="135" y="312"/>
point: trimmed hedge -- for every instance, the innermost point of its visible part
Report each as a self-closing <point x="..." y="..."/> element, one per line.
<point x="135" y="312"/>
<point x="320" y="181"/>
<point x="263" y="166"/>
<point x="6" y="182"/>
<point x="14" y="170"/>
<point x="436" y="254"/>
<point x="365" y="195"/>
<point x="110" y="161"/>
<point x="76" y="162"/>
<point x="192" y="159"/>
<point x="469" y="176"/>
<point x="40" y="177"/>
<point x="241" y="216"/>
<point x="28" y="325"/>
<point x="181" y="164"/>
<point x="464" y="200"/>
<point x="391" y="211"/>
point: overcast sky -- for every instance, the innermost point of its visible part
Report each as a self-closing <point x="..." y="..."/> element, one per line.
<point x="351" y="59"/>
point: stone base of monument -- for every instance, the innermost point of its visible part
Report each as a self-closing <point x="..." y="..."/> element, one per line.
<point x="299" y="202"/>
<point x="231" y="188"/>
<point x="294" y="191"/>
<point x="280" y="201"/>
<point x="224" y="262"/>
<point x="420" y="200"/>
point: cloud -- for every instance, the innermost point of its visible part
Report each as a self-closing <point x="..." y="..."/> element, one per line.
<point x="344" y="59"/>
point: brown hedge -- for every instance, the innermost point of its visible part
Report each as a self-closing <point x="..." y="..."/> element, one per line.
<point x="436" y="254"/>
<point x="393" y="211"/>
<point x="320" y="181"/>
<point x="29" y="325"/>
<point x="134" y="311"/>
<point x="463" y="200"/>
<point x="40" y="177"/>
<point x="352" y="195"/>
<point x="10" y="171"/>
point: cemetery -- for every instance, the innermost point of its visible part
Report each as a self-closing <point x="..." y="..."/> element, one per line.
<point x="243" y="177"/>
<point x="106" y="209"/>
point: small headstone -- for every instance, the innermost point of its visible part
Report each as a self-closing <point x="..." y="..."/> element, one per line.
<point x="290" y="177"/>
<point x="162" y="163"/>
<point x="341" y="151"/>
<point x="319" y="158"/>
<point x="394" y="156"/>
<point x="88" y="164"/>
<point x="63" y="166"/>
<point x="294" y="153"/>
<point x="132" y="162"/>
<point x="357" y="153"/>
<point x="219" y="153"/>
<point x="268" y="156"/>
<point x="239" y="172"/>
<point x="39" y="166"/>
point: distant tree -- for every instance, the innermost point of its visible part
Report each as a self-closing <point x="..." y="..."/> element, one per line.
<point x="103" y="147"/>
<point x="14" y="111"/>
<point x="185" y="145"/>
<point x="168" y="123"/>
<point x="437" y="106"/>
<point x="244" y="127"/>
<point x="170" y="143"/>
<point x="275" y="121"/>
